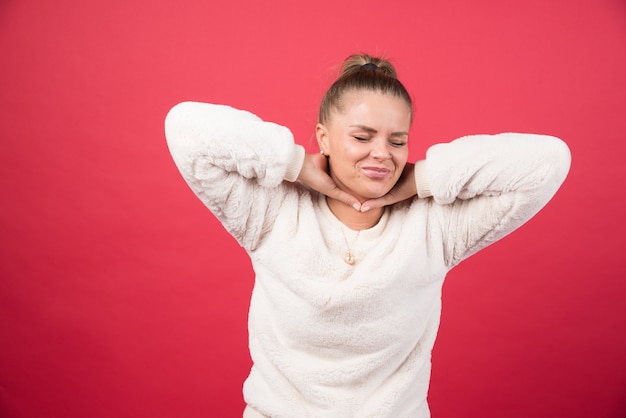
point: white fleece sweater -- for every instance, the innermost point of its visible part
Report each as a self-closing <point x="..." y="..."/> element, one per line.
<point x="332" y="340"/>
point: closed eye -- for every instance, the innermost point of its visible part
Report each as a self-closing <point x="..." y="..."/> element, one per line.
<point x="398" y="144"/>
<point x="361" y="139"/>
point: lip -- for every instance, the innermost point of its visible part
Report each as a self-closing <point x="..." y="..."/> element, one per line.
<point x="376" y="173"/>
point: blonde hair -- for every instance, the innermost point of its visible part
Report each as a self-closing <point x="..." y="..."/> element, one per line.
<point x="362" y="72"/>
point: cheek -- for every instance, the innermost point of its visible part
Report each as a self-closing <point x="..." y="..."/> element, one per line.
<point x="400" y="158"/>
<point x="351" y="155"/>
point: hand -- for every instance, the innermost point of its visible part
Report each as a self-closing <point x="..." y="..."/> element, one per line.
<point x="405" y="188"/>
<point x="314" y="173"/>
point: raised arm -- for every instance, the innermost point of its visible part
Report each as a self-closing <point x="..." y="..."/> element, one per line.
<point x="486" y="186"/>
<point x="234" y="162"/>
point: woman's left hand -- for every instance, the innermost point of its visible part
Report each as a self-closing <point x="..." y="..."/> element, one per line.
<point x="405" y="188"/>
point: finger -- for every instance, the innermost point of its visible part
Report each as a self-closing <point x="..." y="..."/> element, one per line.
<point x="344" y="197"/>
<point x="385" y="200"/>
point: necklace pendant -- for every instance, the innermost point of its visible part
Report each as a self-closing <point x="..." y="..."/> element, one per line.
<point x="349" y="258"/>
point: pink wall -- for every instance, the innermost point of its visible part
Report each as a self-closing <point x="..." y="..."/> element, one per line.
<point x="121" y="296"/>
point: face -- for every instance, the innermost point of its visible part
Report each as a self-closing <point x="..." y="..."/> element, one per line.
<point x="366" y="143"/>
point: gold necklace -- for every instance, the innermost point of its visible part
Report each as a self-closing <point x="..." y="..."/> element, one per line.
<point x="349" y="257"/>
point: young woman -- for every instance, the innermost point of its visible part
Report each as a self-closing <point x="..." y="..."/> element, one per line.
<point x="350" y="247"/>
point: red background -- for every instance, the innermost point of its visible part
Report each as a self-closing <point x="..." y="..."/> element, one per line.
<point x="121" y="296"/>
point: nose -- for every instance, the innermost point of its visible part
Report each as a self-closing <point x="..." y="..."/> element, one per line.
<point x="379" y="150"/>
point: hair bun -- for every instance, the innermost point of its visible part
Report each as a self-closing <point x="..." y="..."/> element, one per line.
<point x="357" y="62"/>
<point x="362" y="72"/>
<point x="369" y="66"/>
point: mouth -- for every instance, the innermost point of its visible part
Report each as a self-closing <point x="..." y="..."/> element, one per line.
<point x="376" y="173"/>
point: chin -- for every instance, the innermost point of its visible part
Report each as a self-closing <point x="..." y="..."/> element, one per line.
<point x="373" y="194"/>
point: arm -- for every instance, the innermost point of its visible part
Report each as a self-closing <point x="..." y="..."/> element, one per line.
<point x="489" y="185"/>
<point x="233" y="161"/>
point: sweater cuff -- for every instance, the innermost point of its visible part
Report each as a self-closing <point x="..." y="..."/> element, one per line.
<point x="294" y="165"/>
<point x="421" y="179"/>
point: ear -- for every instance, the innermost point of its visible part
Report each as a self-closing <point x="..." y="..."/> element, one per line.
<point x="321" y="133"/>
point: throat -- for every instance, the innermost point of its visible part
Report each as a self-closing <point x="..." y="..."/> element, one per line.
<point x="352" y="219"/>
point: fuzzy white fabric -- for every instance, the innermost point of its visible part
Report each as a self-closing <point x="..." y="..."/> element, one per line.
<point x="332" y="340"/>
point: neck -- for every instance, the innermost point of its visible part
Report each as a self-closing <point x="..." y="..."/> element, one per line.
<point x="353" y="219"/>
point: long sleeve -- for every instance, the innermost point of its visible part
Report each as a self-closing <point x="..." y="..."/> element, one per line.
<point x="489" y="185"/>
<point x="234" y="162"/>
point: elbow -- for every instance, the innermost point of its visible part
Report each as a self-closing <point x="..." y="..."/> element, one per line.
<point x="173" y="120"/>
<point x="177" y="135"/>
<point x="562" y="158"/>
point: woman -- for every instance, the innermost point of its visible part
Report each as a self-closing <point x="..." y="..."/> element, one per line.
<point x="350" y="247"/>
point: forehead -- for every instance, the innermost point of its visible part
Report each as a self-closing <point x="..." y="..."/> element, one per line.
<point x="378" y="110"/>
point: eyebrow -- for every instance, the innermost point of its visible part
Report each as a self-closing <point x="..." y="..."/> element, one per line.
<point x="373" y="131"/>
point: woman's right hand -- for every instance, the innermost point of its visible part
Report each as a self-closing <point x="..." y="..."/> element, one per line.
<point x="314" y="174"/>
